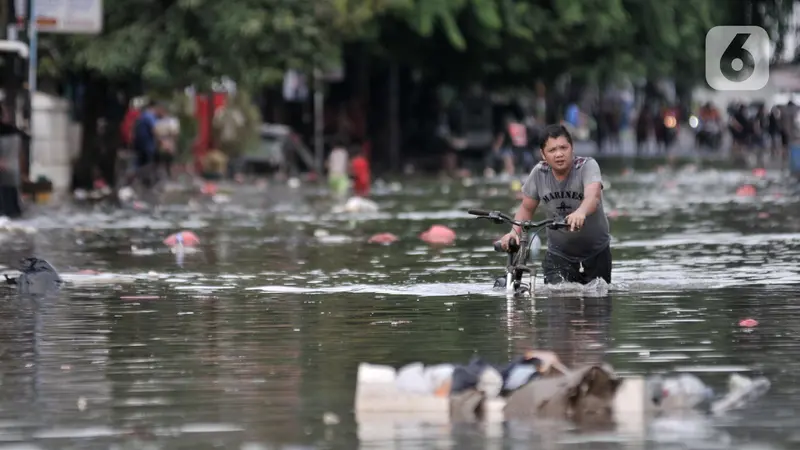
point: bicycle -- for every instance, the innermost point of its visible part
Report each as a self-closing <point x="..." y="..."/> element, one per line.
<point x="519" y="253"/>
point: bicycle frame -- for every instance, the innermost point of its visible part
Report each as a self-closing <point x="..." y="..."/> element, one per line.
<point x="517" y="264"/>
<point x="518" y="259"/>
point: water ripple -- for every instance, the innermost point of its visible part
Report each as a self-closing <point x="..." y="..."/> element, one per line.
<point x="253" y="340"/>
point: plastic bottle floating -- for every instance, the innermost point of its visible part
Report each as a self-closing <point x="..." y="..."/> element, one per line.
<point x="208" y="189"/>
<point x="747" y="190"/>
<point x="438" y="234"/>
<point x="383" y="238"/>
<point x="182" y="238"/>
<point x="748" y="323"/>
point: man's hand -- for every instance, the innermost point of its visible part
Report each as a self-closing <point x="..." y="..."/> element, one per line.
<point x="547" y="360"/>
<point x="505" y="240"/>
<point x="575" y="220"/>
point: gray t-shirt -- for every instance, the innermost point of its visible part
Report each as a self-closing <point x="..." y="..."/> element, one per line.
<point x="561" y="198"/>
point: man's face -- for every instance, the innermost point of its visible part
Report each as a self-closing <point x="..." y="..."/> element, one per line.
<point x="557" y="152"/>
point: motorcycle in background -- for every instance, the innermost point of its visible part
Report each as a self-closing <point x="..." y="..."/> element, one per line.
<point x="667" y="128"/>
<point x="708" y="133"/>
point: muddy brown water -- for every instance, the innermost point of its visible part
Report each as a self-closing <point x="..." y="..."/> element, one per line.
<point x="250" y="342"/>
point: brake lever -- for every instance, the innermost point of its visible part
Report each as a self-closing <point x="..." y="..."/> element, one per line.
<point x="496" y="218"/>
<point x="493" y="218"/>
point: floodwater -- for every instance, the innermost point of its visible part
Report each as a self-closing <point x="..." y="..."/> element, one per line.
<point x="251" y="342"/>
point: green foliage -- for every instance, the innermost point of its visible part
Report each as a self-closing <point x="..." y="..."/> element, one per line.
<point x="236" y="126"/>
<point x="503" y="41"/>
<point x="182" y="106"/>
<point x="174" y="43"/>
<point x="512" y="41"/>
<point x="775" y="16"/>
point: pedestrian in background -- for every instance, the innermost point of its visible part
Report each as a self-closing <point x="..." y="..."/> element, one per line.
<point x="337" y="163"/>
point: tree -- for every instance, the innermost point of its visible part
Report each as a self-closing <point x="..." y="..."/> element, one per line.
<point x="775" y="16"/>
<point x="236" y="126"/>
<point x="510" y="41"/>
<point x="193" y="42"/>
<point x="172" y="44"/>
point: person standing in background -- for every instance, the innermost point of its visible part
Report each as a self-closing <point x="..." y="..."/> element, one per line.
<point x="338" y="181"/>
<point x="127" y="127"/>
<point x="739" y="128"/>
<point x="167" y="130"/>
<point x="789" y="128"/>
<point x="645" y="125"/>
<point x="360" y="172"/>
<point x="760" y="134"/>
<point x="776" y="138"/>
<point x="10" y="199"/>
<point x="509" y="145"/>
<point x="145" y="144"/>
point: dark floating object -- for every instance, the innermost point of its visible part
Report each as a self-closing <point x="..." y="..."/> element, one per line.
<point x="38" y="277"/>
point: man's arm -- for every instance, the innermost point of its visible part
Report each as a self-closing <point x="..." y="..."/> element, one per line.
<point x="530" y="200"/>
<point x="591" y="198"/>
<point x="592" y="188"/>
<point x="525" y="212"/>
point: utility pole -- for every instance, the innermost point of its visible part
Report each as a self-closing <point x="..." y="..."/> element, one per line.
<point x="33" y="46"/>
<point x="319" y="122"/>
<point x="394" y="117"/>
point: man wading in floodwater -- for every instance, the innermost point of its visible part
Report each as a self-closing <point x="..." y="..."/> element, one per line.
<point x="569" y="188"/>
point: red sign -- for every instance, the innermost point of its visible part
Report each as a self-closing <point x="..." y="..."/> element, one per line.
<point x="203" y="114"/>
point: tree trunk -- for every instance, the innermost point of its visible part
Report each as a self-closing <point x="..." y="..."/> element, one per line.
<point x="394" y="117"/>
<point x="90" y="156"/>
<point x="364" y="91"/>
<point x="112" y="137"/>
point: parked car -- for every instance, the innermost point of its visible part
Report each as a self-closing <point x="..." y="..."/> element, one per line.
<point x="280" y="150"/>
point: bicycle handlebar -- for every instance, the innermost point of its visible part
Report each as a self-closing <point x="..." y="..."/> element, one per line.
<point x="498" y="217"/>
<point x="513" y="246"/>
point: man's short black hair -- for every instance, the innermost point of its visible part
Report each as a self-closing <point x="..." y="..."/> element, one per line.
<point x="554" y="131"/>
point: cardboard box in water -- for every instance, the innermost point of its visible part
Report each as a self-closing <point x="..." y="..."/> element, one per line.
<point x="385" y="413"/>
<point x="377" y="394"/>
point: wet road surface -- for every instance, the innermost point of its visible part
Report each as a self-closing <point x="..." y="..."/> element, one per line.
<point x="249" y="342"/>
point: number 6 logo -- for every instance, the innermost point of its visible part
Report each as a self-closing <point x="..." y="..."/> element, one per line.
<point x="737" y="58"/>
